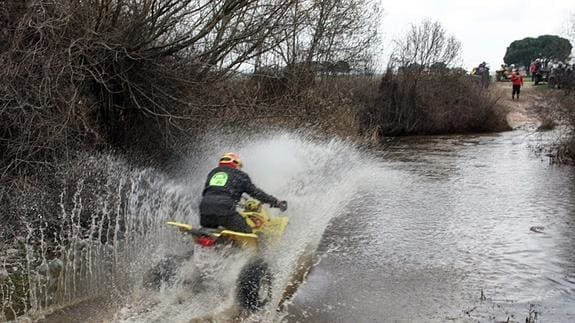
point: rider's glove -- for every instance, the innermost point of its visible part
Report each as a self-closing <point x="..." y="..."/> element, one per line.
<point x="282" y="205"/>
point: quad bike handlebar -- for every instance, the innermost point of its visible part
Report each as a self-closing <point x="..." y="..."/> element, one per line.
<point x="282" y="205"/>
<point x="250" y="205"/>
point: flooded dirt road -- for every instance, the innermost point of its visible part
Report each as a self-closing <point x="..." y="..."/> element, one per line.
<point x="463" y="228"/>
<point x="429" y="229"/>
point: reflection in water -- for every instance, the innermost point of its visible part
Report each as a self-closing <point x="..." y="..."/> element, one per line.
<point x="445" y="220"/>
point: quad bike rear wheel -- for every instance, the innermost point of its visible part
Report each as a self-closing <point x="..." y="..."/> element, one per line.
<point x="162" y="273"/>
<point x="254" y="286"/>
<point x="538" y="79"/>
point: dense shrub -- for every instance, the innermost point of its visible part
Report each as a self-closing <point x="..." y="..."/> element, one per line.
<point x="412" y="101"/>
<point x="83" y="75"/>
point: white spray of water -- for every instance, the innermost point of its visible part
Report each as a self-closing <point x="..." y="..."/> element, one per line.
<point x="317" y="178"/>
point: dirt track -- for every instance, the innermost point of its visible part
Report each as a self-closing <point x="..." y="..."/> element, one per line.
<point x="525" y="112"/>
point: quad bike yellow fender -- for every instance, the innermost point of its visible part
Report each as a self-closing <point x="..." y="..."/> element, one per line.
<point x="264" y="227"/>
<point x="245" y="239"/>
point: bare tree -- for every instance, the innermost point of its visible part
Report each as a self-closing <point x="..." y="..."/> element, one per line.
<point x="77" y="72"/>
<point x="425" y="45"/>
<point x="342" y="30"/>
<point x="414" y="98"/>
<point x="218" y="34"/>
<point x="94" y="70"/>
<point x="329" y="31"/>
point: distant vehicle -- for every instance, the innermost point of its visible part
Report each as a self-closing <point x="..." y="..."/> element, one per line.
<point x="503" y="74"/>
<point x="560" y="76"/>
<point x="481" y="72"/>
<point x="542" y="75"/>
<point x="543" y="69"/>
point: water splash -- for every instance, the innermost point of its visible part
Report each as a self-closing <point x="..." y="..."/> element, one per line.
<point x="110" y="230"/>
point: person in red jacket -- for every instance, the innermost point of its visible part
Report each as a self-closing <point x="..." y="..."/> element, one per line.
<point x="533" y="70"/>
<point x="517" y="81"/>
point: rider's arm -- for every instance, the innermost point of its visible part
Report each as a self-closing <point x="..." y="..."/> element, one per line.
<point x="258" y="194"/>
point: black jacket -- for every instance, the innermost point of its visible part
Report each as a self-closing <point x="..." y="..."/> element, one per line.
<point x="224" y="188"/>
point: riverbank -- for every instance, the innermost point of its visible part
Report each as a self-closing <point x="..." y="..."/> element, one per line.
<point x="538" y="107"/>
<point x="541" y="108"/>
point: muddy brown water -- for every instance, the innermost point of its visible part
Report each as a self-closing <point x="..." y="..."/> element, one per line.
<point x="431" y="229"/>
<point x="464" y="228"/>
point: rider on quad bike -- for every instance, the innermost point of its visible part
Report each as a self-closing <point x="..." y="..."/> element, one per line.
<point x="222" y="192"/>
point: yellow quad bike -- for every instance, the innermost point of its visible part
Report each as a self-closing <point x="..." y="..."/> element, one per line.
<point x="255" y="280"/>
<point x="266" y="230"/>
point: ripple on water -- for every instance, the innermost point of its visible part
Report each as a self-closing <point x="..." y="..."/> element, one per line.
<point x="450" y="219"/>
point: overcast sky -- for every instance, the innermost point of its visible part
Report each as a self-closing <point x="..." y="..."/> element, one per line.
<point x="484" y="27"/>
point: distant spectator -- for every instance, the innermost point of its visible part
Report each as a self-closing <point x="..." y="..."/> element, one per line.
<point x="517" y="81"/>
<point x="532" y="71"/>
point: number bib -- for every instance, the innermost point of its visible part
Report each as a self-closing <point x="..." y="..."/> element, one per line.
<point x="219" y="179"/>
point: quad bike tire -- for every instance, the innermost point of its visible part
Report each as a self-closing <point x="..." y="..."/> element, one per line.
<point x="163" y="272"/>
<point x="537" y="79"/>
<point x="254" y="286"/>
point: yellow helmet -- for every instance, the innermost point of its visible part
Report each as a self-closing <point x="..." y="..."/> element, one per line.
<point x="231" y="160"/>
